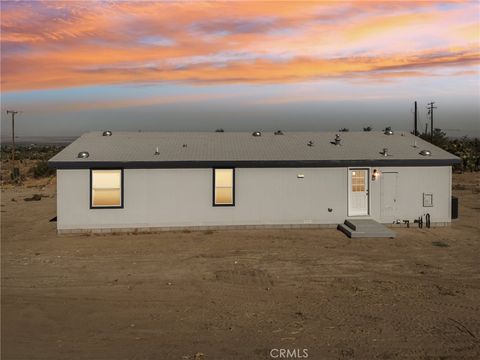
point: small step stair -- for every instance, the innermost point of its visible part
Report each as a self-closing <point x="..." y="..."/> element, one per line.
<point x="365" y="228"/>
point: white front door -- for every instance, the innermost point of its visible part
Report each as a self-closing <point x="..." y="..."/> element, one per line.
<point x="358" y="192"/>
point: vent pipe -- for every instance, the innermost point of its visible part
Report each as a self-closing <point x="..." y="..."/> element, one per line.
<point x="337" y="139"/>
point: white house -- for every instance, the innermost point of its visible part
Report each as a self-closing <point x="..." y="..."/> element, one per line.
<point x="146" y="181"/>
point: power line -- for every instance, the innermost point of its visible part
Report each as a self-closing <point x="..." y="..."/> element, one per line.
<point x="415" y="121"/>
<point x="13" y="113"/>
<point x="430" y="108"/>
<point x="420" y="122"/>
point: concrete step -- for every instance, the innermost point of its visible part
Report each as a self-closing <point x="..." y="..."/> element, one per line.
<point x="365" y="229"/>
<point x="362" y="224"/>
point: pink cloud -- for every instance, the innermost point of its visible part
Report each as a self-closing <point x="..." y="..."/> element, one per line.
<point x="55" y="44"/>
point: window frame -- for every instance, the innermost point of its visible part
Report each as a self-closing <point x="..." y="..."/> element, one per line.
<point x="121" y="206"/>
<point x="360" y="183"/>
<point x="214" y="187"/>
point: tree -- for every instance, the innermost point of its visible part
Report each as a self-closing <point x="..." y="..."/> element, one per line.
<point x="468" y="150"/>
<point x="439" y="138"/>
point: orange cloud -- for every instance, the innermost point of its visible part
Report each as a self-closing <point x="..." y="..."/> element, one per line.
<point x="383" y="25"/>
<point x="55" y="44"/>
<point x="469" y="32"/>
<point x="257" y="71"/>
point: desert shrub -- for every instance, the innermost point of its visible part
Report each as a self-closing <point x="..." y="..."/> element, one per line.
<point x="15" y="174"/>
<point x="41" y="169"/>
<point x="467" y="149"/>
<point x="30" y="152"/>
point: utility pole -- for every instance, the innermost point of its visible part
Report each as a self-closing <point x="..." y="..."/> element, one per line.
<point x="430" y="108"/>
<point x="415" y="125"/>
<point x="13" y="113"/>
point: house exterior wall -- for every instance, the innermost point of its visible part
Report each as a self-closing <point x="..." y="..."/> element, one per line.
<point x="263" y="196"/>
<point x="412" y="183"/>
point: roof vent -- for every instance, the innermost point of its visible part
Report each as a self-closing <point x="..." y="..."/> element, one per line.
<point x="310" y="143"/>
<point x="107" y="133"/>
<point x="83" y="155"/>
<point x="278" y="132"/>
<point x="256" y="133"/>
<point x="388" y="131"/>
<point x="219" y="130"/>
<point x="425" y="153"/>
<point x="337" y="140"/>
<point x="384" y="152"/>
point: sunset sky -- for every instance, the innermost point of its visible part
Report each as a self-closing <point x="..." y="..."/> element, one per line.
<point x="72" y="67"/>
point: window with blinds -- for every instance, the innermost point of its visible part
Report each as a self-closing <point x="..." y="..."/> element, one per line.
<point x="223" y="187"/>
<point x="106" y="188"/>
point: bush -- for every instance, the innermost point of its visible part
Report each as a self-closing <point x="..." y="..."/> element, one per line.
<point x="42" y="170"/>
<point x="15" y="175"/>
<point x="467" y="149"/>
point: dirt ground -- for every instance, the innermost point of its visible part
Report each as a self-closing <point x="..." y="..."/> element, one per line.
<point x="238" y="294"/>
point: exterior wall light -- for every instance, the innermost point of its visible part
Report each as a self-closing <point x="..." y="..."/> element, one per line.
<point x="375" y="174"/>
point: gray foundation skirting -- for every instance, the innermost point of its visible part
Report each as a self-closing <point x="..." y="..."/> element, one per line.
<point x="192" y="228"/>
<point x="138" y="230"/>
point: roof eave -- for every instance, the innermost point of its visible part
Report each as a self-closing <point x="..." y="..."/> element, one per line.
<point x="249" y="163"/>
